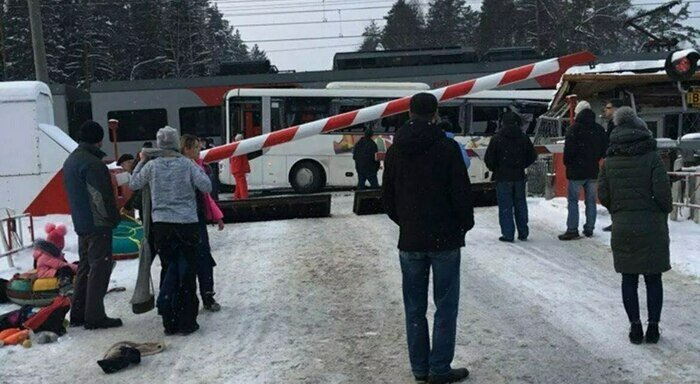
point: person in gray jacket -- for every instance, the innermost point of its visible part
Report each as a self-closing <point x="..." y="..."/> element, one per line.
<point x="172" y="179"/>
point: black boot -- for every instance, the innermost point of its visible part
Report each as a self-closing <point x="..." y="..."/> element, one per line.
<point x="636" y="333"/>
<point x="453" y="376"/>
<point x="209" y="303"/>
<point x="107" y="322"/>
<point x="127" y="355"/>
<point x="569" y="235"/>
<point x="652" y="336"/>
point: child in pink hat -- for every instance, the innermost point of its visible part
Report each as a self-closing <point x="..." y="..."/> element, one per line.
<point x="49" y="260"/>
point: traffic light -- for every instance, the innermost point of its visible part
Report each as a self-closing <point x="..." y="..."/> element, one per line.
<point x="682" y="65"/>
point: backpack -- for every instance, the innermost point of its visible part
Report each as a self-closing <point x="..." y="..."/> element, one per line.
<point x="14" y="319"/>
<point x="50" y="318"/>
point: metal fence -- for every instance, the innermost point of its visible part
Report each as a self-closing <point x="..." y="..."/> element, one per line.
<point x="13" y="232"/>
<point x="686" y="199"/>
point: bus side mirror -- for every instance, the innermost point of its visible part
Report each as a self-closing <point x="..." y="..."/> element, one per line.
<point x="682" y="65"/>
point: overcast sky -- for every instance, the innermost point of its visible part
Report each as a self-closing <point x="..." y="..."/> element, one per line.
<point x="252" y="18"/>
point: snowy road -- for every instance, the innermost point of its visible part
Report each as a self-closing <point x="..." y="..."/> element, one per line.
<point x="319" y="301"/>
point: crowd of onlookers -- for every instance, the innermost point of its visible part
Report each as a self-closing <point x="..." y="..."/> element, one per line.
<point x="425" y="190"/>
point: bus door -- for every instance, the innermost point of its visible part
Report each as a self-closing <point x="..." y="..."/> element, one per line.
<point x="246" y="118"/>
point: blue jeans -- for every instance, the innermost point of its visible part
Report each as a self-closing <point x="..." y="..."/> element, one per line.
<point x="511" y="197"/>
<point x="364" y="177"/>
<point x="590" y="188"/>
<point x="415" y="268"/>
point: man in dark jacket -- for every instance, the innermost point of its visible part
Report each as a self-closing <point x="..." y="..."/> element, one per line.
<point x="509" y="153"/>
<point x="426" y="191"/>
<point x="586" y="143"/>
<point x="634" y="186"/>
<point x="366" y="163"/>
<point x="608" y="112"/>
<point x="94" y="212"/>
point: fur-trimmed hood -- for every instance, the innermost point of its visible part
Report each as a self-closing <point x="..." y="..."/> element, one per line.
<point x="631" y="137"/>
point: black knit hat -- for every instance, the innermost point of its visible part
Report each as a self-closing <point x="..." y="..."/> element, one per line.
<point x="511" y="119"/>
<point x="423" y="104"/>
<point x="91" y="132"/>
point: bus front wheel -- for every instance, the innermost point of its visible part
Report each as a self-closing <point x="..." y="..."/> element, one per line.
<point x="307" y="177"/>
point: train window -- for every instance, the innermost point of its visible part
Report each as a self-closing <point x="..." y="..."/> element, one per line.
<point x="200" y="121"/>
<point x="138" y="125"/>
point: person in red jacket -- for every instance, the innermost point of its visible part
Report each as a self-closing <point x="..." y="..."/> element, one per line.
<point x="239" y="168"/>
<point x="48" y="256"/>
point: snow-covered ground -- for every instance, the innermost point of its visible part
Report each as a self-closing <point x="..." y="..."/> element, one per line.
<point x="319" y="301"/>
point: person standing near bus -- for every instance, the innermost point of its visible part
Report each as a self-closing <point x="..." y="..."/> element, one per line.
<point x="207" y="212"/>
<point x="509" y="153"/>
<point x="240" y="167"/>
<point x="94" y="212"/>
<point x="426" y="191"/>
<point x="365" y="155"/>
<point x="173" y="180"/>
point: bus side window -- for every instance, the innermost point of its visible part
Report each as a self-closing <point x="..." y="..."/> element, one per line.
<point x="277" y="115"/>
<point x="392" y="124"/>
<point x="304" y="110"/>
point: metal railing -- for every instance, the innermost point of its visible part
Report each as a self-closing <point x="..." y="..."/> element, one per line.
<point x="684" y="190"/>
<point x="12" y="235"/>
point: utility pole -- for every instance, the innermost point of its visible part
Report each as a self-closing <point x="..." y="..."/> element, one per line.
<point x="40" y="68"/>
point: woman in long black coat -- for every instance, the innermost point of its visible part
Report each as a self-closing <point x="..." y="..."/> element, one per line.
<point x="635" y="188"/>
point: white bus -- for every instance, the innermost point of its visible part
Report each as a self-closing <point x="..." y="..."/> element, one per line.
<point x="325" y="160"/>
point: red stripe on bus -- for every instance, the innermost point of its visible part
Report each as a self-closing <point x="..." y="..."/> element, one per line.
<point x="343" y="120"/>
<point x="458" y="90"/>
<point x="397" y="106"/>
<point x="221" y="152"/>
<point x="517" y="74"/>
<point x="280" y="137"/>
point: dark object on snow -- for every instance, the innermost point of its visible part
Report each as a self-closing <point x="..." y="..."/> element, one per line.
<point x="276" y="208"/>
<point x="14" y="319"/>
<point x="127" y="355"/>
<point x="143" y="299"/>
<point x="50" y="318"/>
<point x="368" y="202"/>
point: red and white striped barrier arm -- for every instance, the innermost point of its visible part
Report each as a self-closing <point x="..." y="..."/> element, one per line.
<point x="360" y="116"/>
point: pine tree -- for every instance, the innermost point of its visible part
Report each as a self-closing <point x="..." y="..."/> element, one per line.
<point x="496" y="24"/>
<point x="372" y="37"/>
<point x="225" y="45"/>
<point x="667" y="25"/>
<point x="451" y="23"/>
<point x="404" y="27"/>
<point x="256" y="54"/>
<point x="3" y="74"/>
<point x="146" y="41"/>
<point x="19" y="58"/>
<point x="185" y="34"/>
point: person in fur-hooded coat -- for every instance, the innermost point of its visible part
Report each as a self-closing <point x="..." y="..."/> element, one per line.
<point x="634" y="186"/>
